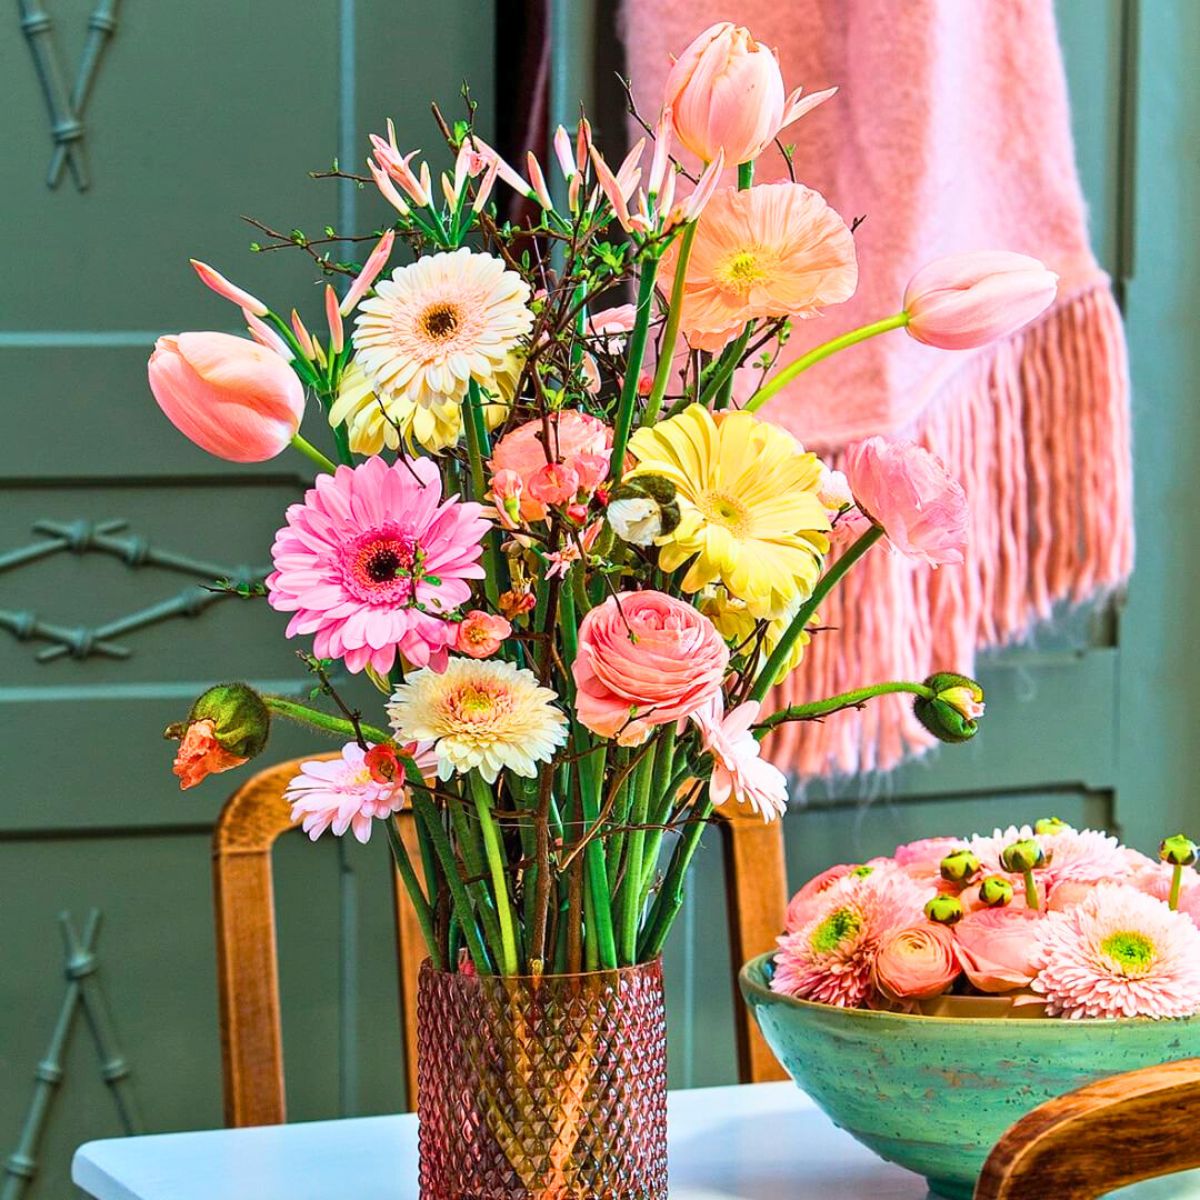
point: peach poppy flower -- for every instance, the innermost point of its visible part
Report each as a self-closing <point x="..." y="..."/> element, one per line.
<point x="771" y="251"/>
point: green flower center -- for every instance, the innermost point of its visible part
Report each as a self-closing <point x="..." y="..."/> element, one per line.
<point x="1131" y="952"/>
<point x="840" y="926"/>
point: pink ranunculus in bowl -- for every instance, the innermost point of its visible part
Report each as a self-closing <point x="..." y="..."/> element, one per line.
<point x="916" y="962"/>
<point x="906" y="490"/>
<point x="645" y="659"/>
<point x="996" y="947"/>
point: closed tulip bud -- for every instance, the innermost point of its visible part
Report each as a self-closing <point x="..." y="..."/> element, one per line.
<point x="967" y="300"/>
<point x="1023" y="856"/>
<point x="960" y="866"/>
<point x="232" y="397"/>
<point x="952" y="713"/>
<point x="1048" y="826"/>
<point x="996" y="891"/>
<point x="1179" y="851"/>
<point x="643" y="509"/>
<point x="944" y="910"/>
<point x="227" y="726"/>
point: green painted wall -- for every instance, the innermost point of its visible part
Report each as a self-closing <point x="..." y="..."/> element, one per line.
<point x="201" y="112"/>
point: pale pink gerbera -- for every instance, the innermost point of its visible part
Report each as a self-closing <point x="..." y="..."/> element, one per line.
<point x="1155" y="878"/>
<point x="775" y="250"/>
<point x="1074" y="856"/>
<point x="342" y="793"/>
<point x="374" y="561"/>
<point x="738" y="769"/>
<point x="1120" y="953"/>
<point x="439" y="323"/>
<point x="830" y="959"/>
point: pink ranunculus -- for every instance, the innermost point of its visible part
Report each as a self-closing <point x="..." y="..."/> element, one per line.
<point x="553" y="483"/>
<point x="572" y="435"/>
<point x="926" y="852"/>
<point x="996" y="947"/>
<point x="480" y="634"/>
<point x="645" y="659"/>
<point x="1154" y="878"/>
<point x="908" y="491"/>
<point x="916" y="962"/>
<point x="725" y="93"/>
<point x="968" y="300"/>
<point x="234" y="398"/>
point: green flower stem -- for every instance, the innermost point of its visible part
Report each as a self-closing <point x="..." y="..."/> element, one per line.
<point x="670" y="899"/>
<point x="494" y="853"/>
<point x="623" y="425"/>
<point x="719" y="388"/>
<point x="600" y="938"/>
<point x="815" y="355"/>
<point x="662" y="798"/>
<point x="666" y="349"/>
<point x="630" y="894"/>
<point x="413" y="886"/>
<point x="1031" y="892"/>
<point x="316" y="719"/>
<point x="1176" y="887"/>
<point x="826" y="584"/>
<point x="427" y="814"/>
<point x="470" y="847"/>
<point x="479" y="446"/>
<point x="591" y="940"/>
<point x="745" y="176"/>
<point x="313" y="454"/>
<point x="822" y="708"/>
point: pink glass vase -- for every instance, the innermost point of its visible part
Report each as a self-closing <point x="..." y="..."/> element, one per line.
<point x="548" y="1089"/>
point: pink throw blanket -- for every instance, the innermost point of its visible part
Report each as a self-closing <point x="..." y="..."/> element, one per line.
<point x="950" y="133"/>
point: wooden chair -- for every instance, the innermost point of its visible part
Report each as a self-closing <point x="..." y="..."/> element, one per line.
<point x="1130" y="1127"/>
<point x="247" y="968"/>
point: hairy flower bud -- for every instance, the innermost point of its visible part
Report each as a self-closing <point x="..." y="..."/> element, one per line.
<point x="227" y="726"/>
<point x="643" y="509"/>
<point x="960" y="866"/>
<point x="1179" y="850"/>
<point x="1023" y="856"/>
<point x="996" y="891"/>
<point x="944" y="910"/>
<point x="952" y="713"/>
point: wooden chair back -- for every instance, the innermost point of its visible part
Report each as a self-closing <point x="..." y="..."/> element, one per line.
<point x="247" y="965"/>
<point x="1124" y="1129"/>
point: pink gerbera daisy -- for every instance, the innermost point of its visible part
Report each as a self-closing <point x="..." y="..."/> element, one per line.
<point x="1120" y="953"/>
<point x="1077" y="856"/>
<point x="738" y="769"/>
<point x="343" y="793"/>
<point x="830" y="959"/>
<point x="374" y="561"/>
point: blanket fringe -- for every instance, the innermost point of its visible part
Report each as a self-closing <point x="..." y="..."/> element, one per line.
<point x="1037" y="429"/>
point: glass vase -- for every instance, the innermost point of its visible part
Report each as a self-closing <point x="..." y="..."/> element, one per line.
<point x="542" y="1089"/>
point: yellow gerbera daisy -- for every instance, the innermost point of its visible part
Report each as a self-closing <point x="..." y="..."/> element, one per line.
<point x="750" y="514"/>
<point x="737" y="627"/>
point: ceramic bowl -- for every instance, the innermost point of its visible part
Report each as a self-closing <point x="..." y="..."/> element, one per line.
<point x="934" y="1094"/>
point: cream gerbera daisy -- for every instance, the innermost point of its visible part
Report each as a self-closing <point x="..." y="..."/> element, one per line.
<point x="373" y="422"/>
<point x="440" y="322"/>
<point x="486" y="715"/>
<point x="750" y="510"/>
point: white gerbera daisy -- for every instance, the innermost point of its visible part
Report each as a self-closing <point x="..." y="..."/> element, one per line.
<point x="440" y="322"/>
<point x="484" y="715"/>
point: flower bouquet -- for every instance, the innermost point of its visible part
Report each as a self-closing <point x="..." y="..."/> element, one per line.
<point x="557" y="533"/>
<point x="1093" y="944"/>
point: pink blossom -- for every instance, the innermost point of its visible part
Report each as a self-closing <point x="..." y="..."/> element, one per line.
<point x="200" y="755"/>
<point x="553" y="484"/>
<point x="996" y="947"/>
<point x="968" y="300"/>
<point x="916" y="962"/>
<point x="525" y="451"/>
<point x="561" y="560"/>
<point x="374" y="562"/>
<point x="505" y="494"/>
<point x="344" y="794"/>
<point x="480" y="634"/>
<point x="738" y="768"/>
<point x="645" y="659"/>
<point x="908" y="491"/>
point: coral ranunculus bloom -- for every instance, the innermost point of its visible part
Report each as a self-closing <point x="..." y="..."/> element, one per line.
<point x="232" y="397"/>
<point x="776" y="250"/>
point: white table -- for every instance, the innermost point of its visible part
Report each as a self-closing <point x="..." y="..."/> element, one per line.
<point x="728" y="1143"/>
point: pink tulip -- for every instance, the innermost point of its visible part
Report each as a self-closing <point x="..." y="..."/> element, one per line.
<point x="968" y="300"/>
<point x="996" y="947"/>
<point x="232" y="397"/>
<point x="916" y="962"/>
<point x="725" y="93"/>
<point x="230" y="291"/>
<point x="908" y="491"/>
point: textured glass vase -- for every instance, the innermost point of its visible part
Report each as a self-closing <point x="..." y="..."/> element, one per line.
<point x="550" y="1089"/>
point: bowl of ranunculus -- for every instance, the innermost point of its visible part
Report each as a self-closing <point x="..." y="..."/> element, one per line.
<point x="930" y="999"/>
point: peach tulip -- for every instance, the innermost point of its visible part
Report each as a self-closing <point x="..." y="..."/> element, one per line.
<point x="968" y="300"/>
<point x="725" y="93"/>
<point x="232" y="397"/>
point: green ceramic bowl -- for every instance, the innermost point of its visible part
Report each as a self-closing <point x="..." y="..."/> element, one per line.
<point x="934" y="1094"/>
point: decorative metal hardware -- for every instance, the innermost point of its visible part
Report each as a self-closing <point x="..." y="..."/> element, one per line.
<point x="83" y="993"/>
<point x="84" y="537"/>
<point x="66" y="112"/>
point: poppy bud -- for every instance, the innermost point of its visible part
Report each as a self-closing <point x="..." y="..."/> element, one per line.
<point x="944" y="910"/>
<point x="227" y="726"/>
<point x="952" y="713"/>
